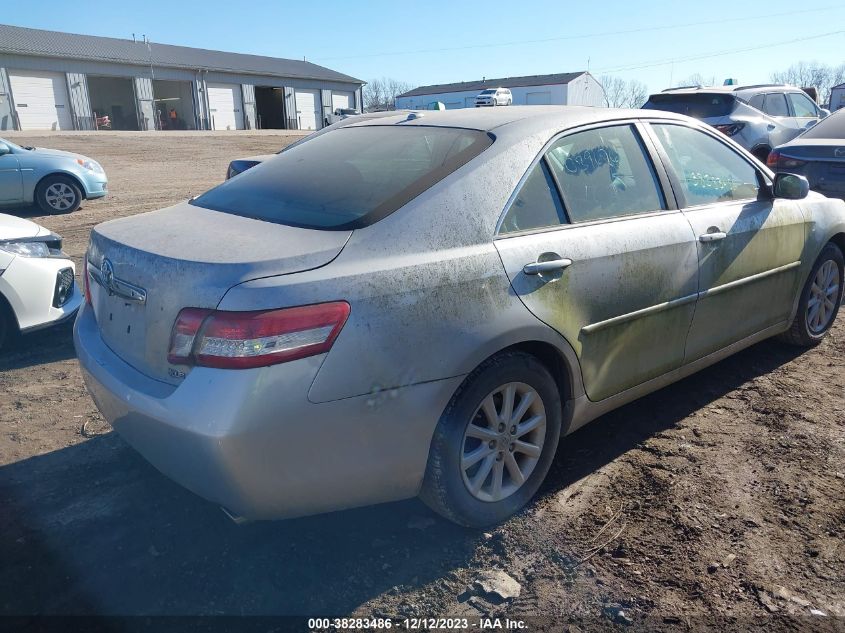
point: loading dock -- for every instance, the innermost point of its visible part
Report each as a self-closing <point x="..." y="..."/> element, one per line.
<point x="41" y="100"/>
<point x="225" y="106"/>
<point x="270" y="107"/>
<point x="174" y="105"/>
<point x="113" y="97"/>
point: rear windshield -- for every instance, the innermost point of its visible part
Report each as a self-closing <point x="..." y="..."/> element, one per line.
<point x="699" y="105"/>
<point x="831" y="127"/>
<point x="348" y="178"/>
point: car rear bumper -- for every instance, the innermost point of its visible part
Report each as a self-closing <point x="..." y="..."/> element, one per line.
<point x="251" y="441"/>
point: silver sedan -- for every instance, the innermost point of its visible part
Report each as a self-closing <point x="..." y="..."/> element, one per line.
<point x="424" y="303"/>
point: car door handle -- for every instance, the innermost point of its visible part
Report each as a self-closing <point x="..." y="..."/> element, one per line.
<point x="543" y="267"/>
<point x="712" y="237"/>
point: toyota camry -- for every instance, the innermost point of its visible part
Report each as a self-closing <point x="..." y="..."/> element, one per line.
<point x="425" y="303"/>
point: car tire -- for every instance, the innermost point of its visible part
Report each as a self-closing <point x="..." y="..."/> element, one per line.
<point x="58" y="194"/>
<point x="820" y="299"/>
<point x="459" y="457"/>
<point x="8" y="323"/>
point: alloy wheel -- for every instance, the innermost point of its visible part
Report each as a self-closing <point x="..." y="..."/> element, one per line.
<point x="60" y="196"/>
<point x="503" y="441"/>
<point x="824" y="294"/>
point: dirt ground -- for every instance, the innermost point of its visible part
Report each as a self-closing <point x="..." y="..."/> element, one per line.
<point x="718" y="500"/>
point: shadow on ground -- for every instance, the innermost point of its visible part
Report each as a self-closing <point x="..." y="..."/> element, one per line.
<point x="93" y="528"/>
<point x="36" y="348"/>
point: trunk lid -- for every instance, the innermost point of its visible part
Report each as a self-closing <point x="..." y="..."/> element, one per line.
<point x="153" y="265"/>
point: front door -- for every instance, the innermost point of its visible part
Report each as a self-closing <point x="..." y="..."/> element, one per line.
<point x="11" y="184"/>
<point x="609" y="265"/>
<point x="749" y="245"/>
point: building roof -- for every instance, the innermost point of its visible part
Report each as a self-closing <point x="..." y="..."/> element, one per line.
<point x="505" y="82"/>
<point x="837" y="86"/>
<point x="18" y="40"/>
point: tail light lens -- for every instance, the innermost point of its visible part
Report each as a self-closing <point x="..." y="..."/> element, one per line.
<point x="86" y="282"/>
<point x="776" y="160"/>
<point x="242" y="340"/>
<point x="772" y="160"/>
<point x="731" y="129"/>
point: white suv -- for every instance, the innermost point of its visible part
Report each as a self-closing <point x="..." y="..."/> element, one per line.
<point x="494" y="97"/>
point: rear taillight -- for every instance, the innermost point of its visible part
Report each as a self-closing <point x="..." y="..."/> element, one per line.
<point x="731" y="129"/>
<point x="776" y="160"/>
<point x="86" y="282"/>
<point x="241" y="340"/>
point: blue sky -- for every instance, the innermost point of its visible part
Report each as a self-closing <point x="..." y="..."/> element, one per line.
<point x="434" y="41"/>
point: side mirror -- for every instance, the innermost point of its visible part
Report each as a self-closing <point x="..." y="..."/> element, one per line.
<point x="790" y="187"/>
<point x="5" y="149"/>
<point x="823" y="112"/>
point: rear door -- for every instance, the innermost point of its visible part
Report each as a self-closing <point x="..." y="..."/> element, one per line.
<point x="749" y="245"/>
<point x="611" y="264"/>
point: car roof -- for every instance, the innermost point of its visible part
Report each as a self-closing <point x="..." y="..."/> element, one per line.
<point x="729" y="89"/>
<point x="489" y="119"/>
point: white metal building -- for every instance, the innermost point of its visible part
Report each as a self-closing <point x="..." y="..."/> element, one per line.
<point x="579" y="88"/>
<point x="62" y="81"/>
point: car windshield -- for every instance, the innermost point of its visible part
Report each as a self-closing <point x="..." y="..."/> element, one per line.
<point x="488" y="92"/>
<point x="699" y="105"/>
<point x="348" y="178"/>
<point x="831" y="127"/>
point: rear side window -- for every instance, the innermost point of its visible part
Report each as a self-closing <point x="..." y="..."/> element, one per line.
<point x="348" y="178"/>
<point x="604" y="173"/>
<point x="757" y="101"/>
<point x="701" y="105"/>
<point x="775" y="105"/>
<point x="536" y="206"/>
<point x="709" y="171"/>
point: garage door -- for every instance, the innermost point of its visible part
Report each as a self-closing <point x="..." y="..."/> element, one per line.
<point x="342" y="100"/>
<point x="538" y="98"/>
<point x="225" y="107"/>
<point x="307" y="109"/>
<point x="41" y="100"/>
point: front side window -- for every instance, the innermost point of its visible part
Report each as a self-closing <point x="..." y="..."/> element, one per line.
<point x="604" y="173"/>
<point x="775" y="105"/>
<point x="709" y="171"/>
<point x="536" y="205"/>
<point x="348" y="178"/>
<point x="802" y="106"/>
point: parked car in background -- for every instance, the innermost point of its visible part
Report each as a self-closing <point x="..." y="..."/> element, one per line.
<point x="818" y="155"/>
<point x="757" y="117"/>
<point x="494" y="97"/>
<point x="55" y="180"/>
<point x="423" y="303"/>
<point x="37" y="287"/>
<point x="340" y="114"/>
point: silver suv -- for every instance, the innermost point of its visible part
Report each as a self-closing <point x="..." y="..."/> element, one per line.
<point x="757" y="117"/>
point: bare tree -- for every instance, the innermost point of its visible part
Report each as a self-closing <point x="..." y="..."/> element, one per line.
<point x="380" y="94"/>
<point x="619" y="93"/>
<point x="812" y="74"/>
<point x="697" y="79"/>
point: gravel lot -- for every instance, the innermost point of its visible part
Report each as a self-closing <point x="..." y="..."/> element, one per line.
<point x="719" y="497"/>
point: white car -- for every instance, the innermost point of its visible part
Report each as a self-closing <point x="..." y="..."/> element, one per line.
<point x="494" y="97"/>
<point x="37" y="287"/>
